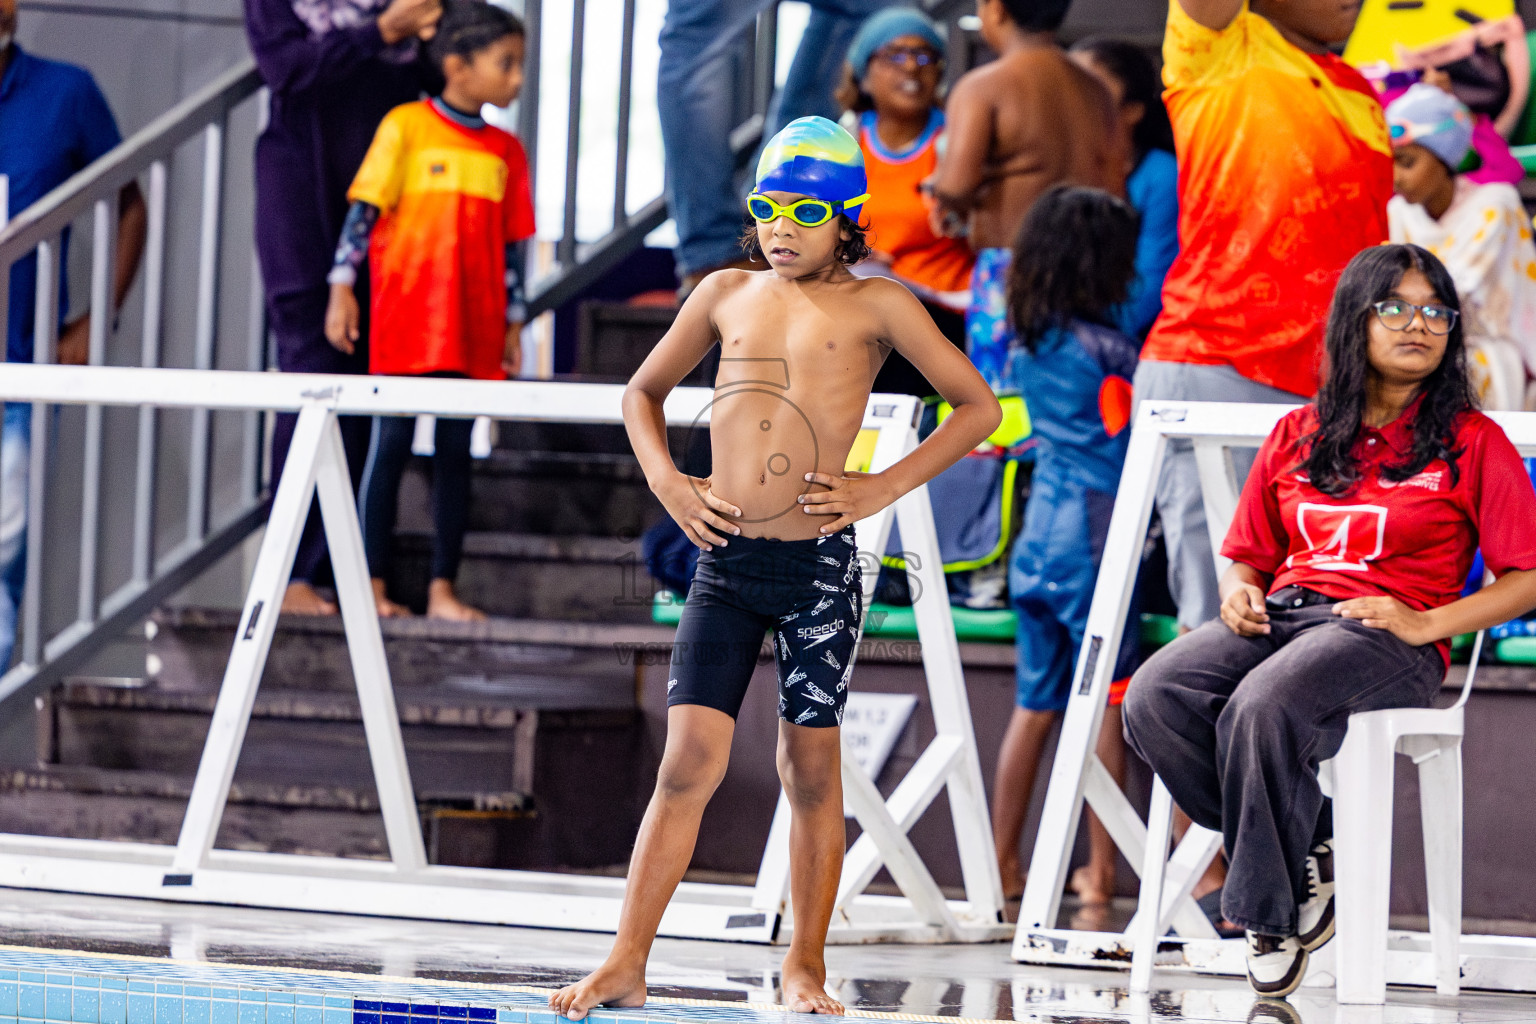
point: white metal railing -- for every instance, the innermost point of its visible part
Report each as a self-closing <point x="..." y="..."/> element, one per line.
<point x="93" y="618"/>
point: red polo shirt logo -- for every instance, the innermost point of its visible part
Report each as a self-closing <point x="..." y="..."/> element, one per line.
<point x="1339" y="538"/>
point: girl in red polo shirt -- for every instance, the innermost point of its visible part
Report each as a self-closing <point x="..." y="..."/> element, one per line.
<point x="1352" y="539"/>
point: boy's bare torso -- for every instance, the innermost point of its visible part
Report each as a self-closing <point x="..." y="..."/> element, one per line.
<point x="797" y="361"/>
<point x="1051" y="124"/>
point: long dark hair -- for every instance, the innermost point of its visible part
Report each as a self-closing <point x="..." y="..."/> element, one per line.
<point x="1137" y="75"/>
<point x="1370" y="277"/>
<point x="1074" y="257"/>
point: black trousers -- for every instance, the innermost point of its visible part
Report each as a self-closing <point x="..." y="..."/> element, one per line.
<point x="298" y="324"/>
<point x="1236" y="727"/>
<point x="387" y="455"/>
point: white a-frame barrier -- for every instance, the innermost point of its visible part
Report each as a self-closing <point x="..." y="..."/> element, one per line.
<point x="406" y="885"/>
<point x="1213" y="428"/>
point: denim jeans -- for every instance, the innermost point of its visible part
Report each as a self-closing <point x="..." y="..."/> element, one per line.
<point x="15" y="449"/>
<point x="1236" y="727"/>
<point x="695" y="82"/>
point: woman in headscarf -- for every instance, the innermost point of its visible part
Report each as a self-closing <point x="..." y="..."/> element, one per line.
<point x="334" y="68"/>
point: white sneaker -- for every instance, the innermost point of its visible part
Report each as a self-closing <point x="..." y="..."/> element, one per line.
<point x="1276" y="964"/>
<point x="1315" y="915"/>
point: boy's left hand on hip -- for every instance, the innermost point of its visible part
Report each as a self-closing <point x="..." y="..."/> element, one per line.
<point x="853" y="496"/>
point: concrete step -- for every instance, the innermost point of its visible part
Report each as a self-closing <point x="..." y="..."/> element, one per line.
<point x="535" y="665"/>
<point x="531" y="576"/>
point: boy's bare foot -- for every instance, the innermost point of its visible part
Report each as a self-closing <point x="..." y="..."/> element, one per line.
<point x="804" y="985"/>
<point x="302" y="598"/>
<point x="387" y="609"/>
<point x="443" y="603"/>
<point x="609" y="985"/>
<point x="1092" y="886"/>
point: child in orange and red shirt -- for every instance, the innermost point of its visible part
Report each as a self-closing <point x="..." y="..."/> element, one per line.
<point x="440" y="207"/>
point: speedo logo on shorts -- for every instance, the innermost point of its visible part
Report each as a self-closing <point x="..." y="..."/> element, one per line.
<point x="827" y="629"/>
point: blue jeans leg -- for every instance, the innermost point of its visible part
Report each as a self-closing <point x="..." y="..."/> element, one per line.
<point x="695" y="86"/>
<point x="818" y="63"/>
<point x="15" y="449"/>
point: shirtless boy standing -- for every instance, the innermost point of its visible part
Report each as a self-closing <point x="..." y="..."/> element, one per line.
<point x="1014" y="128"/>
<point x="801" y="343"/>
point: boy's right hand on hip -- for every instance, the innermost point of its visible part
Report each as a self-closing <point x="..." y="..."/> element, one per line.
<point x="341" y="319"/>
<point x="689" y="501"/>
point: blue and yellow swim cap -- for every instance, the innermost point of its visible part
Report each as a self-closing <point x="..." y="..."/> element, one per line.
<point x="815" y="157"/>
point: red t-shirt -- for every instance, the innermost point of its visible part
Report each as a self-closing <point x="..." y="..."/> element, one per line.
<point x="450" y="199"/>
<point x="1412" y="540"/>
<point x="1285" y="169"/>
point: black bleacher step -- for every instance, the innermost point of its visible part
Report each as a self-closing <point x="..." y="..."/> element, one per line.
<point x="533" y="576"/>
<point x="84" y="802"/>
<point x="297" y="738"/>
<point x="535" y="664"/>
<point x="544" y="492"/>
<point x="613" y="338"/>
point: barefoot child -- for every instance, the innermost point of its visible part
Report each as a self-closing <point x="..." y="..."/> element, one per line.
<point x="1073" y="264"/>
<point x="774" y="525"/>
<point x="1026" y="121"/>
<point x="440" y="207"/>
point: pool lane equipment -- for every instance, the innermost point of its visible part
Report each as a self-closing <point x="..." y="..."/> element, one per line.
<point x="406" y="885"/>
<point x="1214" y="428"/>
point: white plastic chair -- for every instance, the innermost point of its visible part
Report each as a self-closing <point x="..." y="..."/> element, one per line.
<point x="1359" y="778"/>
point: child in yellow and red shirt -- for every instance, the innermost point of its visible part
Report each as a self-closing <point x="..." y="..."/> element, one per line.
<point x="440" y="207"/>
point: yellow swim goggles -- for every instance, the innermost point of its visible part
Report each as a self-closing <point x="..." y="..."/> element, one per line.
<point x="808" y="213"/>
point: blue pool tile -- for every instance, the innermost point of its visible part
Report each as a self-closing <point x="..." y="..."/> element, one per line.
<point x="7" y="975"/>
<point x="224" y="993"/>
<point x="116" y="984"/>
<point x="58" y="1000"/>
<point x="140" y="986"/>
<point x="305" y="1015"/>
<point x="340" y="1002"/>
<point x="168" y="1009"/>
<point x="222" y="1011"/>
<point x="87" y="981"/>
<point x="533" y="1017"/>
<point x="396" y="1007"/>
<point x="279" y="1013"/>
<point x="423" y="1019"/>
<point x="280" y="997"/>
<point x="87" y="1005"/>
<point x="481" y="1013"/>
<point x="7" y="999"/>
<point x="166" y="988"/>
<point x="141" y="1009"/>
<point x="250" y="1012"/>
<point x="60" y="978"/>
<point x="338" y="1016"/>
<point x="458" y="1012"/>
<point x="31" y="1005"/>
<point x="309" y="998"/>
<point x="359" y="1017"/>
<point x="367" y="1004"/>
<point x="35" y="976"/>
<point x="394" y="1018"/>
<point x="200" y="991"/>
<point x="424" y="1009"/>
<point x="114" y="1006"/>
<point x="194" y="1011"/>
